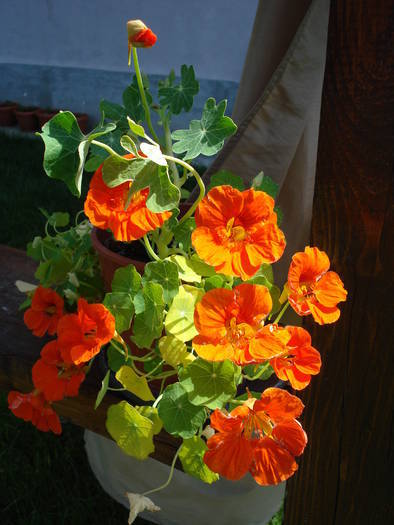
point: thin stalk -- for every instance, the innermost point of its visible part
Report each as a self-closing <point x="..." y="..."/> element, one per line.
<point x="168" y="150"/>
<point x="259" y="373"/>
<point x="165" y="485"/>
<point x="150" y="373"/>
<point x="200" y="183"/>
<point x="107" y="148"/>
<point x="284" y="308"/>
<point x="149" y="248"/>
<point x="142" y="94"/>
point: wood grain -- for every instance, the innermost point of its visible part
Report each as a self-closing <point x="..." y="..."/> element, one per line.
<point x="345" y="475"/>
<point x="19" y="350"/>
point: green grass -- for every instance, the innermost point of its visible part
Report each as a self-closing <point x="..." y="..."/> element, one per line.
<point x="44" y="479"/>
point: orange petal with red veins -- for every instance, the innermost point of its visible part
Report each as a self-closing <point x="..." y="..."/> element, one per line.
<point x="212" y="313"/>
<point x="229" y="455"/>
<point x="219" y="206"/>
<point x="268" y="241"/>
<point x="279" y="404"/>
<point x="323" y="314"/>
<point x="329" y="290"/>
<point x="291" y="436"/>
<point x="268" y="343"/>
<point x="297" y="379"/>
<point x="272" y="463"/>
<point x="308" y="360"/>
<point x="258" y="207"/>
<point x="254" y="301"/>
<point x="210" y="248"/>
<point x="307" y="266"/>
<point x="224" y="422"/>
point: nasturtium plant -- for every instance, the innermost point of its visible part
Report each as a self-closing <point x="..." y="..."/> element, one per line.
<point x="191" y="330"/>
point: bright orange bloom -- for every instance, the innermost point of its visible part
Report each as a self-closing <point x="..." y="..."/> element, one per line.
<point x="237" y="231"/>
<point x="81" y="335"/>
<point x="299" y="360"/>
<point x="105" y="208"/>
<point x="231" y="326"/>
<point x="312" y="288"/>
<point x="33" y="407"/>
<point x="261" y="437"/>
<point x="45" y="311"/>
<point x="139" y="35"/>
<point x="54" y="378"/>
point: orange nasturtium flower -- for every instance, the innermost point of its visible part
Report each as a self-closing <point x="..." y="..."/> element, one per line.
<point x="299" y="360"/>
<point x="231" y="326"/>
<point x="105" y="208"/>
<point x="312" y="288"/>
<point x="139" y="35"/>
<point x="54" y="378"/>
<point x="261" y="437"/>
<point x="45" y="311"/>
<point x="33" y="407"/>
<point x="237" y="231"/>
<point x="81" y="335"/>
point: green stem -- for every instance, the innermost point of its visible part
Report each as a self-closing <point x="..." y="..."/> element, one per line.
<point x="165" y="485"/>
<point x="149" y="248"/>
<point x="150" y="373"/>
<point x="116" y="389"/>
<point x="142" y="94"/>
<point x="107" y="148"/>
<point x="284" y="308"/>
<point x="168" y="150"/>
<point x="200" y="183"/>
<point x="157" y="401"/>
<point x="259" y="373"/>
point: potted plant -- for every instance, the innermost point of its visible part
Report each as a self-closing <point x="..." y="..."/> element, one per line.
<point x="193" y="327"/>
<point x="45" y="114"/>
<point x="27" y="118"/>
<point x="7" y="113"/>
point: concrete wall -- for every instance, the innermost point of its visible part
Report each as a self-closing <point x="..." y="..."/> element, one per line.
<point x="70" y="53"/>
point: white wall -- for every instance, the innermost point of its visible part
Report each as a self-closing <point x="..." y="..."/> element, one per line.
<point x="213" y="35"/>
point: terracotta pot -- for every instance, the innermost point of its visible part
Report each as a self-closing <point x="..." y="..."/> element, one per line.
<point x="109" y="260"/>
<point x="82" y="119"/>
<point x="44" y="115"/>
<point x="7" y="113"/>
<point x="27" y="120"/>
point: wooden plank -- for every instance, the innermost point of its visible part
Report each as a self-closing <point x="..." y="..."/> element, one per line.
<point x="345" y="473"/>
<point x="19" y="350"/>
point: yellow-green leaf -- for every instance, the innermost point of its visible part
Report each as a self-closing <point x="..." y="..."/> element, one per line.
<point x="174" y="351"/>
<point x="191" y="455"/>
<point x="180" y="318"/>
<point x="133" y="383"/>
<point x="131" y="431"/>
<point x="152" y="414"/>
<point x="185" y="269"/>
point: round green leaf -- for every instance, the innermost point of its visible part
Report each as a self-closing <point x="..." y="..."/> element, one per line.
<point x="210" y="383"/>
<point x="179" y="416"/>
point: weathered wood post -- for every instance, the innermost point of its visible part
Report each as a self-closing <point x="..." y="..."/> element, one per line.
<point x="344" y="476"/>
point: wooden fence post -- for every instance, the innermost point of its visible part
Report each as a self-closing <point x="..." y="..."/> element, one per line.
<point x="345" y="474"/>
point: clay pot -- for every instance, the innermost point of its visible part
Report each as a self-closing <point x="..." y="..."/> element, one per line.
<point x="109" y="260"/>
<point x="82" y="119"/>
<point x="27" y="119"/>
<point x="44" y="115"/>
<point x="7" y="113"/>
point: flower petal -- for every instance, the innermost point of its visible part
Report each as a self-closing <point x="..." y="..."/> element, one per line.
<point x="279" y="404"/>
<point x="291" y="436"/>
<point x="272" y="463"/>
<point x="228" y="454"/>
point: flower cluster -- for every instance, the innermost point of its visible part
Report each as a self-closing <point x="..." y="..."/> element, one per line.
<point x="197" y="330"/>
<point x="62" y="365"/>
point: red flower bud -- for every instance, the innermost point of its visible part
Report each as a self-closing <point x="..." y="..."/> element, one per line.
<point x="139" y="34"/>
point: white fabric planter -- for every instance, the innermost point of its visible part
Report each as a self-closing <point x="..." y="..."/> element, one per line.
<point x="186" y="500"/>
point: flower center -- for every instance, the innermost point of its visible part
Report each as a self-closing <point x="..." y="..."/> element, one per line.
<point x="257" y="426"/>
<point x="50" y="310"/>
<point x="239" y="334"/>
<point x="235" y="233"/>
